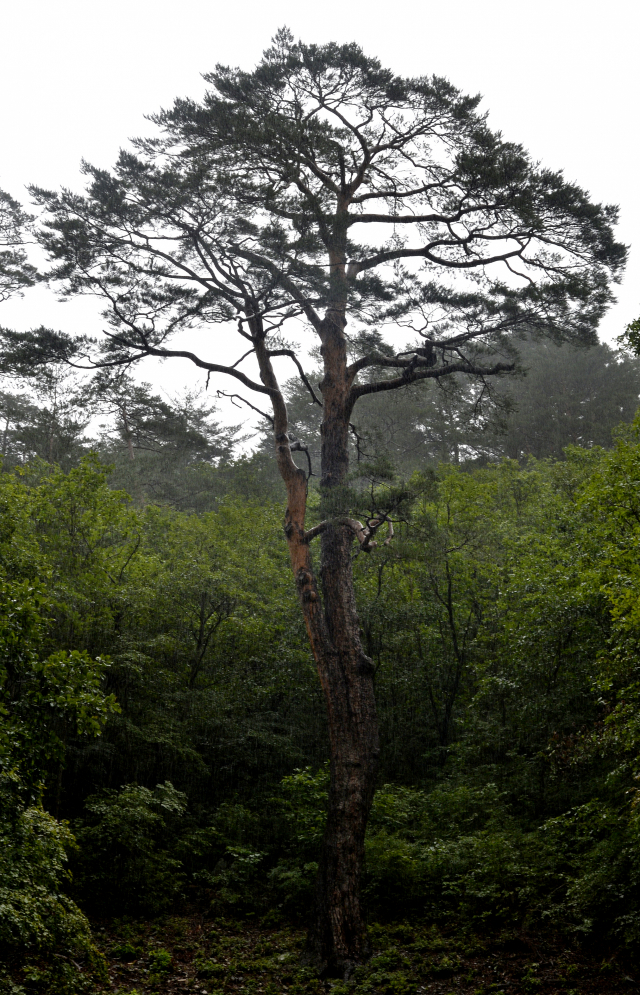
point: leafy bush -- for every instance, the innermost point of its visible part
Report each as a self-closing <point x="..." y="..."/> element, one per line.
<point x="42" y="931"/>
<point x="450" y="849"/>
<point x="302" y="807"/>
<point x="458" y="854"/>
<point x="126" y="861"/>
<point x="291" y="885"/>
<point x="239" y="878"/>
<point x="596" y="849"/>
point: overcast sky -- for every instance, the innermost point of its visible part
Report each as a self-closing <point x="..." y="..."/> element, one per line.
<point x="561" y="77"/>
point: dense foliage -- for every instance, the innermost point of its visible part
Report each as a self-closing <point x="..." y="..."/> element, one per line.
<point x="158" y="692"/>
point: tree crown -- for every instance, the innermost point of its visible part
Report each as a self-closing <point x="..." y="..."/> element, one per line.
<point x="247" y="207"/>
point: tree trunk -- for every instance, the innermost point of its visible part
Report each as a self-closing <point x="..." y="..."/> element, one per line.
<point x="336" y="942"/>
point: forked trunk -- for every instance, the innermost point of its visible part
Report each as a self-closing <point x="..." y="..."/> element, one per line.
<point x="336" y="942"/>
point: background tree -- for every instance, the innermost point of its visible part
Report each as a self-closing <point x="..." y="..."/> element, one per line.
<point x="160" y="447"/>
<point x="16" y="272"/>
<point x="445" y="420"/>
<point x="246" y="208"/>
<point x="567" y="397"/>
<point x="47" y="421"/>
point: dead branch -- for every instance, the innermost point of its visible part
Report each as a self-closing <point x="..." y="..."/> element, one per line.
<point x="303" y="376"/>
<point x="234" y="397"/>
<point x="298" y="447"/>
<point x="363" y="533"/>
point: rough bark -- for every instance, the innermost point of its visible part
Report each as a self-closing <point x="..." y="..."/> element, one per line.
<point x="336" y="940"/>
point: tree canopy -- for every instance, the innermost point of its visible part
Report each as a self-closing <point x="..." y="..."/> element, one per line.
<point x="16" y="272"/>
<point x="251" y="202"/>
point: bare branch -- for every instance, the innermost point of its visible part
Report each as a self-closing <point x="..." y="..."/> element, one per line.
<point x="238" y="361"/>
<point x="285" y="281"/>
<point x="296" y="446"/>
<point x="148" y="350"/>
<point x="427" y="253"/>
<point x="233" y="397"/>
<point x="303" y="376"/>
<point x="363" y="533"/>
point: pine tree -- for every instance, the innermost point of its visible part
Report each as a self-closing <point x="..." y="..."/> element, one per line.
<point x="246" y="210"/>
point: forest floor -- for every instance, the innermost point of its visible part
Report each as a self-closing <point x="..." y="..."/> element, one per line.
<point x="195" y="955"/>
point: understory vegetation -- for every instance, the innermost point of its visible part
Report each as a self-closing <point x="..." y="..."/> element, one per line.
<point x="163" y="743"/>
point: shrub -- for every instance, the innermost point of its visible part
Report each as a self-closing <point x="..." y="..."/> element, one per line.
<point x="126" y="861"/>
<point x="43" y="933"/>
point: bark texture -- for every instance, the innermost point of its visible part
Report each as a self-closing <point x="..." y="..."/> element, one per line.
<point x="336" y="941"/>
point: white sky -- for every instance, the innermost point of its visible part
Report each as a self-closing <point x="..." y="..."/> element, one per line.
<point x="77" y="76"/>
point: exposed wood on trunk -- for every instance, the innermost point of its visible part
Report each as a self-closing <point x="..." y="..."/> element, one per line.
<point x="336" y="940"/>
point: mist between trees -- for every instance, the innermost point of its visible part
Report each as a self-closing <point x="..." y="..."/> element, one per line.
<point x="174" y="451"/>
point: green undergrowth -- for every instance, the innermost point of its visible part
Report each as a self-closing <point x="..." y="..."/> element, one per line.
<point x="453" y="855"/>
<point x="252" y="956"/>
<point x="46" y="945"/>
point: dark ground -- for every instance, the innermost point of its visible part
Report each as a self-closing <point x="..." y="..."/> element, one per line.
<point x="194" y="955"/>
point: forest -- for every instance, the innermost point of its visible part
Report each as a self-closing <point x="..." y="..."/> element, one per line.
<point x="178" y="810"/>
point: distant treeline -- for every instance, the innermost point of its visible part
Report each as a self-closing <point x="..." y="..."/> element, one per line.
<point x="177" y="452"/>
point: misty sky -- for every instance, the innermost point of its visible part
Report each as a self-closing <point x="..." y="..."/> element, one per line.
<point x="78" y="76"/>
